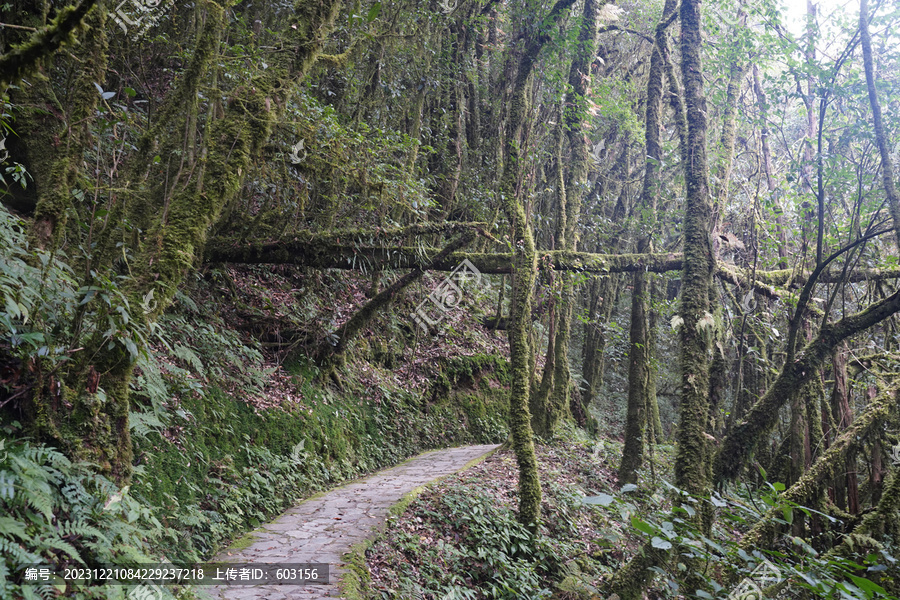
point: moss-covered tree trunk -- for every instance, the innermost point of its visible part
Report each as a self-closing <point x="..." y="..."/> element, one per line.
<point x="781" y="229"/>
<point x="630" y="582"/>
<point x="576" y="185"/>
<point x="884" y="147"/>
<point x="524" y="270"/>
<point x="807" y="487"/>
<point x="600" y="302"/>
<point x="544" y="413"/>
<point x="740" y="443"/>
<point x="96" y="427"/>
<point x="655" y="429"/>
<point x="54" y="137"/>
<point x="697" y="328"/>
<point x="638" y="383"/>
<point x="640" y="371"/>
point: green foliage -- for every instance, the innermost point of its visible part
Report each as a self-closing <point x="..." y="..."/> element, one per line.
<point x="494" y="553"/>
<point x="792" y="569"/>
<point x="220" y="466"/>
<point x="46" y="314"/>
<point x="57" y="513"/>
<point x="326" y="165"/>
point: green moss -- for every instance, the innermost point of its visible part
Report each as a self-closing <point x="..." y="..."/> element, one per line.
<point x="245" y="541"/>
<point x="475" y="371"/>
<point x="355" y="582"/>
<point x="231" y="468"/>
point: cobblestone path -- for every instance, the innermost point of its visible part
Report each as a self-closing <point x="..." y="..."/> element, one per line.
<point x="322" y="529"/>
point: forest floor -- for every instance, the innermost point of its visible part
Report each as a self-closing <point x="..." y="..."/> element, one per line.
<point x="460" y="538"/>
<point x="323" y="528"/>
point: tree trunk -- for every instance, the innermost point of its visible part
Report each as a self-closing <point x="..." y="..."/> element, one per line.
<point x="96" y="427"/>
<point x="638" y="379"/>
<point x="738" y="445"/>
<point x="524" y="270"/>
<point x="640" y="372"/>
<point x="884" y="149"/>
<point x="329" y="353"/>
<point x="691" y="473"/>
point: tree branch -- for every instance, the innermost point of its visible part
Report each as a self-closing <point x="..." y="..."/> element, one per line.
<point x="44" y="42"/>
<point x="740" y="443"/>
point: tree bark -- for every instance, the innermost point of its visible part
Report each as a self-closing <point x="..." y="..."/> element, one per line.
<point x="23" y="58"/>
<point x="523" y="269"/>
<point x="327" y="352"/>
<point x="691" y="473"/>
<point x="807" y="486"/>
<point x="887" y="167"/>
<point x="639" y="357"/>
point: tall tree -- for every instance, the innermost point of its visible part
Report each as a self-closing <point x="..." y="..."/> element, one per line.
<point x="524" y="264"/>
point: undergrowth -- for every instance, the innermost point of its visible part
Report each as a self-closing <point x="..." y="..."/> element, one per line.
<point x="460" y="539"/>
<point x="224" y="437"/>
<point x="56" y="512"/>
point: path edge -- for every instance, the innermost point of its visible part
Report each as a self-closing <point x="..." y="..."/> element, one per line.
<point x="357" y="577"/>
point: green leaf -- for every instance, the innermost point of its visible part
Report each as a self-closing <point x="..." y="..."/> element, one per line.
<point x="132" y="348"/>
<point x="867" y="585"/>
<point x="788" y="513"/>
<point x="642" y="526"/>
<point x="602" y="500"/>
<point x="374" y="12"/>
<point x="662" y="544"/>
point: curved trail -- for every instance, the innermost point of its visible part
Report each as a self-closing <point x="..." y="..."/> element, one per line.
<point x="324" y="527"/>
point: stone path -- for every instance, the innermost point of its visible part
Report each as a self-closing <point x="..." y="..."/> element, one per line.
<point x="322" y="529"/>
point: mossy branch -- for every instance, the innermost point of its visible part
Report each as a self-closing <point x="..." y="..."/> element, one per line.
<point x="336" y="236"/>
<point x="881" y="520"/>
<point x="22" y="59"/>
<point x="740" y="443"/>
<point x="806" y="488"/>
<point x="326" y="251"/>
<point x="887" y="167"/>
<point x="328" y="352"/>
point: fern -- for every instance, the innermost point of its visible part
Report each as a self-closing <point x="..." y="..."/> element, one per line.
<point x="10" y="527"/>
<point x="190" y="357"/>
<point x="79" y="529"/>
<point x="11" y="551"/>
<point x="54" y="543"/>
<point x="57" y="511"/>
<point x="40" y="502"/>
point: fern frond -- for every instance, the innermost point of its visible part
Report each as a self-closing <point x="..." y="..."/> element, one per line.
<point x="18" y="554"/>
<point x="10" y="527"/>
